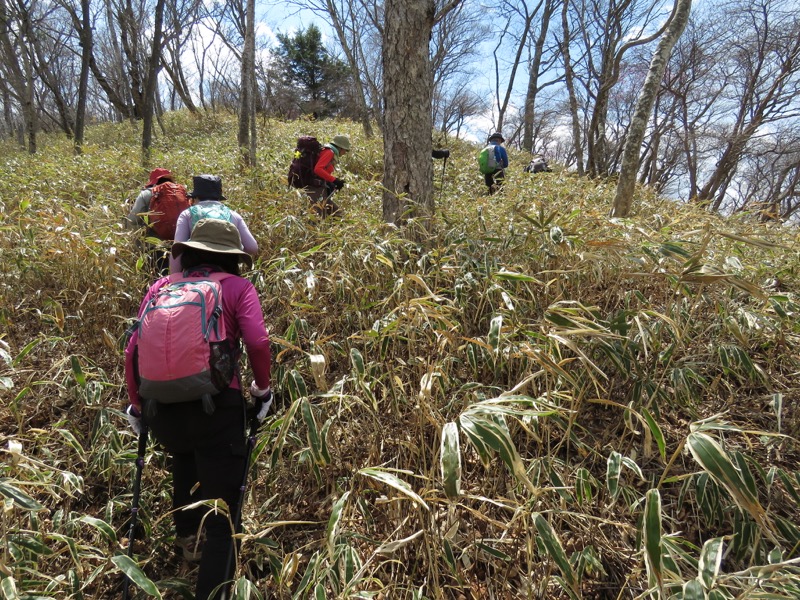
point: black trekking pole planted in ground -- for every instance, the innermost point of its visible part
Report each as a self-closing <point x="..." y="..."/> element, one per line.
<point x="441" y="189"/>
<point x="137" y="486"/>
<point x="237" y="518"/>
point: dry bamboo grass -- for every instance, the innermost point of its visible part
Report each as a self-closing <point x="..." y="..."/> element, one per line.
<point x="574" y="356"/>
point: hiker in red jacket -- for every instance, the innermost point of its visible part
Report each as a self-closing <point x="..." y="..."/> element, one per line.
<point x="320" y="196"/>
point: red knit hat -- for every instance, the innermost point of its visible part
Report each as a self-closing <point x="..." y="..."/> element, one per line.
<point x="157" y="174"/>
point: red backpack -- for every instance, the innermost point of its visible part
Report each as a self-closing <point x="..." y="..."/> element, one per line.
<point x="306" y="155"/>
<point x="168" y="201"/>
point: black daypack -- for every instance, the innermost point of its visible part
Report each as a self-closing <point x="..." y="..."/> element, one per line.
<point x="538" y="164"/>
<point x="306" y="154"/>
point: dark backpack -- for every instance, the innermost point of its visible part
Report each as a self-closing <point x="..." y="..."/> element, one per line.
<point x="306" y="154"/>
<point x="538" y="164"/>
<point x="167" y="202"/>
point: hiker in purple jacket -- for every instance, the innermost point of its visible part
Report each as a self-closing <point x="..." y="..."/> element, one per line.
<point x="209" y="449"/>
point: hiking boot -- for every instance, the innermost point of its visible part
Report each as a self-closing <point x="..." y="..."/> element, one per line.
<point x="191" y="546"/>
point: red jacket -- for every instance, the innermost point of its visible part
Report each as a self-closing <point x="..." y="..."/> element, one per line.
<point x="325" y="164"/>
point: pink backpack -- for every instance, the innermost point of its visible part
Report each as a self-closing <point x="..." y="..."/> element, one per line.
<point x="182" y="352"/>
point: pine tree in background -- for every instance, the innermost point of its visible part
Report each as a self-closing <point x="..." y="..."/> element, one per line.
<point x="319" y="80"/>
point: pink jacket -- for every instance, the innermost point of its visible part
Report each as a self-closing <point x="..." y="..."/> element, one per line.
<point x="244" y="320"/>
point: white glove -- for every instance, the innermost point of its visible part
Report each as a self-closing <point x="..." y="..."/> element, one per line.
<point x="134" y="419"/>
<point x="264" y="398"/>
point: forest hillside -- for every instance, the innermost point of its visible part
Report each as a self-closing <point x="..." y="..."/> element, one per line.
<point x="523" y="399"/>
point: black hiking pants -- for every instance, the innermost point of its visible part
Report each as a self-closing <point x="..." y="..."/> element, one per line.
<point x="494" y="181"/>
<point x="210" y="450"/>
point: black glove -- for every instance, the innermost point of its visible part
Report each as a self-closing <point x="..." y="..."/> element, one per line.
<point x="443" y="153"/>
<point x="338" y="183"/>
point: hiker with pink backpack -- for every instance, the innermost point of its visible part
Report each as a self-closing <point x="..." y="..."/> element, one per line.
<point x="184" y="385"/>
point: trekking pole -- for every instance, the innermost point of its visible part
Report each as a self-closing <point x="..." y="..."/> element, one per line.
<point x="237" y="520"/>
<point x="441" y="189"/>
<point x="137" y="486"/>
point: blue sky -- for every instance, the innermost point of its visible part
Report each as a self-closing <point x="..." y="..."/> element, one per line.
<point x="285" y="18"/>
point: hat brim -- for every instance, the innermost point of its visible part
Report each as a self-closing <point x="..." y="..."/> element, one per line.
<point x="193" y="195"/>
<point x="177" y="250"/>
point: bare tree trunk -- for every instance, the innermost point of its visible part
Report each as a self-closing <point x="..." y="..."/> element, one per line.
<point x="18" y="66"/>
<point x="355" y="68"/>
<point x="503" y="105"/>
<point x="569" y="80"/>
<point x="644" y="108"/>
<point x="533" y="80"/>
<point x="408" y="123"/>
<point x="247" y="93"/>
<point x="85" y="37"/>
<point x="149" y="99"/>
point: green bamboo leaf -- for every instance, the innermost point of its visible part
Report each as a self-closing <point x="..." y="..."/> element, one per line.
<point x="472" y="357"/>
<point x="556" y="550"/>
<point x="789" y="531"/>
<point x="656" y="432"/>
<point x="652" y="535"/>
<point x="710" y="561"/>
<point x="17" y="496"/>
<point x="296" y="385"/>
<point x="489" y="431"/>
<point x="286" y="422"/>
<point x="631" y="464"/>
<point x="395" y="482"/>
<point x="26" y="350"/>
<point x="132" y="571"/>
<point x="308" y="576"/>
<point x="450" y="461"/>
<point x="495" y="326"/>
<point x="313" y="435"/>
<point x="692" y="590"/>
<point x="352" y="564"/>
<point x="493" y="552"/>
<point x="77" y="372"/>
<point x="104" y="528"/>
<point x="449" y="557"/>
<point x="9" y="588"/>
<point x="323" y="437"/>
<point x="747" y="475"/>
<point x="35" y="544"/>
<point x="333" y="523"/>
<point x="73" y="442"/>
<point x="789" y="485"/>
<point x="319" y="592"/>
<point x="777" y="407"/>
<point x="559" y="485"/>
<point x="357" y="361"/>
<point x="583" y="486"/>
<point x="613" y="471"/>
<point x="716" y="463"/>
<point x="244" y="589"/>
